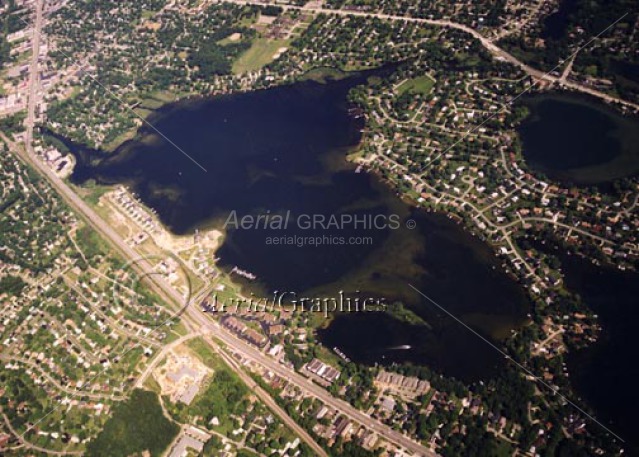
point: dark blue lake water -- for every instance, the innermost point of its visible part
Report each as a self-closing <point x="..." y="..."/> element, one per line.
<point x="284" y="150"/>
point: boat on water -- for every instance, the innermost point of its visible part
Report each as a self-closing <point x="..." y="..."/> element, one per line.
<point x="243" y="273"/>
<point x="341" y="354"/>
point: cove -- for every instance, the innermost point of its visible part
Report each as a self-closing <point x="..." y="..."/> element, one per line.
<point x="555" y="24"/>
<point x="284" y="150"/>
<point x="578" y="140"/>
<point x="605" y="373"/>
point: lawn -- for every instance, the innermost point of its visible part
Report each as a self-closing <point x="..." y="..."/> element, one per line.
<point x="421" y="85"/>
<point x="260" y="53"/>
<point x="90" y="242"/>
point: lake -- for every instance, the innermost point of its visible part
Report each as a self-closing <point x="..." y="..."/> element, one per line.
<point x="555" y="25"/>
<point x="605" y="374"/>
<point x="602" y="374"/>
<point x="283" y="150"/>
<point x="576" y="139"/>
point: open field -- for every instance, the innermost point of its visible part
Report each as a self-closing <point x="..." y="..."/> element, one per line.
<point x="261" y="53"/>
<point x="421" y="85"/>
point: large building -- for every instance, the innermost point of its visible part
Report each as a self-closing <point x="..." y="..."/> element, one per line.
<point x="322" y="370"/>
<point x="404" y="385"/>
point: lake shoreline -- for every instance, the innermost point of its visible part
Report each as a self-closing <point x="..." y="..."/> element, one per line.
<point x="323" y="177"/>
<point x="576" y="139"/>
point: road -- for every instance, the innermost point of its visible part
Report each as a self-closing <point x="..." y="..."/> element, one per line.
<point x="28" y="445"/>
<point x="34" y="74"/>
<point x="306" y="385"/>
<point x="112" y="322"/>
<point x="490" y="46"/>
<point x="552" y="336"/>
<point x="503" y="228"/>
<point x="171" y="295"/>
<point x="142" y="265"/>
<point x="56" y="384"/>
<point x="193" y="312"/>
<point x="196" y="315"/>
<point x="272" y="404"/>
<point x="139" y="383"/>
<point x="567" y="69"/>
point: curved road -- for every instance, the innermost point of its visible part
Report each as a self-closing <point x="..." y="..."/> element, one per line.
<point x="165" y="291"/>
<point x="56" y="383"/>
<point x="33" y="446"/>
<point x="495" y="50"/>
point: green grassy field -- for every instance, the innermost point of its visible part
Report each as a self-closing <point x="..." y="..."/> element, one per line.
<point x="422" y="85"/>
<point x="260" y="53"/>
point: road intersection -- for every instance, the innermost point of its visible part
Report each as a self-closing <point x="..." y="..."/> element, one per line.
<point x="194" y="317"/>
<point x="192" y="312"/>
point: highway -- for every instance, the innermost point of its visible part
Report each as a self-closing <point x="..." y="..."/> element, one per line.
<point x="193" y="312"/>
<point x="490" y="46"/>
<point x="272" y="404"/>
<point x="142" y="265"/>
<point x="33" y="75"/>
<point x="145" y="269"/>
<point x="306" y="385"/>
